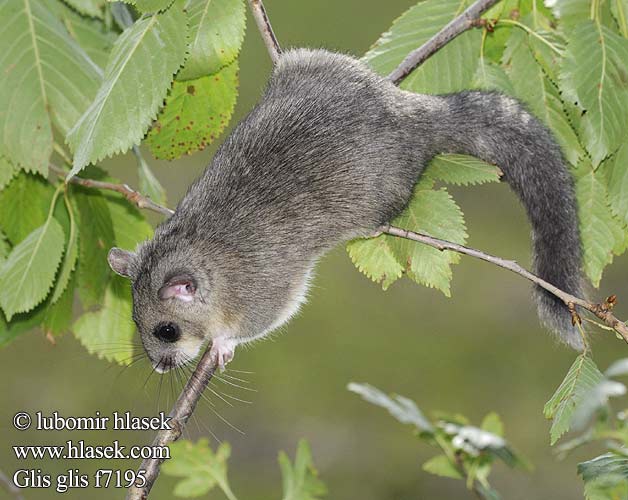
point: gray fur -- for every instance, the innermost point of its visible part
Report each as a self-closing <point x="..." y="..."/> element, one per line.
<point x="331" y="152"/>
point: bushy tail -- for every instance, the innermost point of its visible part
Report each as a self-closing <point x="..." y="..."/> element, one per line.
<point x="498" y="130"/>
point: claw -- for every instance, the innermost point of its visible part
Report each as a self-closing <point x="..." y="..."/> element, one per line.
<point x="221" y="352"/>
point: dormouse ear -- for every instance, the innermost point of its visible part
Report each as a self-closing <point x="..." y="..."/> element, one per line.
<point x="179" y="287"/>
<point x="120" y="261"/>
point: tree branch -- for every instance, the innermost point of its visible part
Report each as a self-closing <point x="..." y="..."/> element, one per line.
<point x="124" y="189"/>
<point x="602" y="311"/>
<point x="265" y="29"/>
<point x="468" y="19"/>
<point x="10" y="487"/>
<point x="181" y="412"/>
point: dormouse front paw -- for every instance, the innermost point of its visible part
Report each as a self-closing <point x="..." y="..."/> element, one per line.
<point x="221" y="352"/>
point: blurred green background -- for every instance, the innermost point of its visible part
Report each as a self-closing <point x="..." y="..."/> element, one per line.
<point x="481" y="350"/>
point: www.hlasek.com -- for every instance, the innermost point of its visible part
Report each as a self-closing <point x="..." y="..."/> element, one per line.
<point x="80" y="450"/>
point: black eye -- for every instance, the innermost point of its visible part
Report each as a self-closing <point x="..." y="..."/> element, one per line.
<point x="167" y="332"/>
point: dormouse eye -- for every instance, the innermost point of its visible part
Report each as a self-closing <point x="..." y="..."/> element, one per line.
<point x="167" y="332"/>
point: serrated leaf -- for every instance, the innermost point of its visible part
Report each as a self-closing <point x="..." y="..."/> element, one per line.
<point x="44" y="75"/>
<point x="24" y="205"/>
<point x="491" y="76"/>
<point x="451" y="69"/>
<point x="196" y="112"/>
<point x="201" y="469"/>
<point x="300" y="480"/>
<point x="493" y="423"/>
<point x="216" y="35"/>
<point x="618" y="182"/>
<point x="461" y="170"/>
<point x="400" y="407"/>
<point x="133" y="88"/>
<point x="599" y="229"/>
<point x="571" y="12"/>
<point x="441" y="466"/>
<point x="604" y="465"/>
<point x="534" y="88"/>
<point x="69" y="258"/>
<point x="619" y="8"/>
<point x="28" y="272"/>
<point x="96" y="237"/>
<point x="436" y="214"/>
<point x="583" y="376"/>
<point x="7" y="171"/>
<point x="375" y="259"/>
<point x="92" y="8"/>
<point x="149" y="184"/>
<point x="601" y="89"/>
<point x="58" y="315"/>
<point x="109" y="326"/>
<point x="606" y="487"/>
<point x="5" y="248"/>
<point x="20" y="324"/>
<point x="150" y="6"/>
<point x="596" y="399"/>
<point x="129" y="225"/>
<point x="91" y="34"/>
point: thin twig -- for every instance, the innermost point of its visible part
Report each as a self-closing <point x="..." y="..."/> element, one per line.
<point x="468" y="19"/>
<point x="10" y="487"/>
<point x="602" y="311"/>
<point x="265" y="29"/>
<point x="124" y="189"/>
<point x="181" y="412"/>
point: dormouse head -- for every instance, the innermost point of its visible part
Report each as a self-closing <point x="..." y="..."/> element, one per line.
<point x="171" y="305"/>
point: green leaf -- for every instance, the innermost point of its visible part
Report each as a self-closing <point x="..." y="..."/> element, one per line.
<point x="572" y="12"/>
<point x="618" y="182"/>
<point x="24" y="205"/>
<point x="583" y="376"/>
<point x="216" y="35"/>
<point x="196" y="112"/>
<point x="619" y="8"/>
<point x="533" y="87"/>
<point x="607" y="487"/>
<point x="451" y="69"/>
<point x="149" y="184"/>
<point x="5" y="248"/>
<point x="150" y="6"/>
<point x="110" y="326"/>
<point x="91" y="34"/>
<point x="461" y="170"/>
<point x="493" y="423"/>
<point x="300" y="480"/>
<point x="92" y="8"/>
<point x="96" y="237"/>
<point x="69" y="258"/>
<point x="58" y="314"/>
<point x="599" y="229"/>
<point x="28" y="273"/>
<point x="436" y="214"/>
<point x="44" y="75"/>
<point x="607" y="464"/>
<point x="133" y="89"/>
<point x="403" y="409"/>
<point x="7" y="171"/>
<point x="491" y="76"/>
<point x="440" y="465"/>
<point x="374" y="258"/>
<point x="201" y="468"/>
<point x="601" y="89"/>
<point x="129" y="225"/>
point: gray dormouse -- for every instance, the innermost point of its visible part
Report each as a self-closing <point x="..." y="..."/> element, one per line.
<point x="331" y="152"/>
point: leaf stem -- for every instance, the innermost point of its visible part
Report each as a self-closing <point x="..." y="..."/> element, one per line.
<point x="530" y="32"/>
